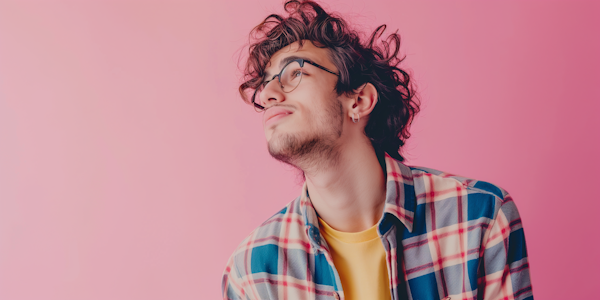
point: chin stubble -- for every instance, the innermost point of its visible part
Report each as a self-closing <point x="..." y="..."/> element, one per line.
<point x="315" y="152"/>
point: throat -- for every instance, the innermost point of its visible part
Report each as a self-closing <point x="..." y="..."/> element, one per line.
<point x="351" y="197"/>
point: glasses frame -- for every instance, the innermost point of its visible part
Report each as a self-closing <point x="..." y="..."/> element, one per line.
<point x="259" y="108"/>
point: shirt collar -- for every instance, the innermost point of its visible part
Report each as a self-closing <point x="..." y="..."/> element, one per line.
<point x="400" y="201"/>
<point x="400" y="197"/>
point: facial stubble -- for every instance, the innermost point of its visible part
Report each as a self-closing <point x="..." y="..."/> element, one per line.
<point x="315" y="150"/>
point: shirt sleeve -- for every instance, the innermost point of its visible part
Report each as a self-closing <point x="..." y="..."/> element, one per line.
<point x="231" y="287"/>
<point x="504" y="273"/>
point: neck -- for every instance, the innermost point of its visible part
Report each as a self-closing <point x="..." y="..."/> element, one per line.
<point x="350" y="196"/>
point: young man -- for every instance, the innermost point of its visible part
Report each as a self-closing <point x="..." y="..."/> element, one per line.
<point x="365" y="225"/>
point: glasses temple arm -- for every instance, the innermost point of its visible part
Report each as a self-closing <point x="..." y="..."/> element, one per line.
<point x="321" y="67"/>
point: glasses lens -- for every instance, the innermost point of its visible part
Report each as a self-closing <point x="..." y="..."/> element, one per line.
<point x="291" y="76"/>
<point x="256" y="102"/>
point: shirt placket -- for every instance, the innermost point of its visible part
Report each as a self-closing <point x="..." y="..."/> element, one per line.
<point x="336" y="276"/>
<point x="385" y="239"/>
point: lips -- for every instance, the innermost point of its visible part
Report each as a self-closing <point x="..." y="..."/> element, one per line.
<point x="275" y="113"/>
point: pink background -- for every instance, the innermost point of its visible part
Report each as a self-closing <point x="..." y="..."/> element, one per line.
<point x="130" y="169"/>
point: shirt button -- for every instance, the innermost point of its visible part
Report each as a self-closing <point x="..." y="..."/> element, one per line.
<point x="336" y="296"/>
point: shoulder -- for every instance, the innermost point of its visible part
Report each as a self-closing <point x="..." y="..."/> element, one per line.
<point x="259" y="251"/>
<point x="483" y="199"/>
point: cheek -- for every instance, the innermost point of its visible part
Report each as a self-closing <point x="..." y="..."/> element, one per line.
<point x="316" y="105"/>
<point x="329" y="110"/>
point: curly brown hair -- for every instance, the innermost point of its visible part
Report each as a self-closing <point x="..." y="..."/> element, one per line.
<point x="374" y="61"/>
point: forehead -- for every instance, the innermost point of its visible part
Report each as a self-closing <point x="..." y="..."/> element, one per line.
<point x="308" y="51"/>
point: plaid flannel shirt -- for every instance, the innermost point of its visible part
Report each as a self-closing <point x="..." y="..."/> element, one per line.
<point x="460" y="239"/>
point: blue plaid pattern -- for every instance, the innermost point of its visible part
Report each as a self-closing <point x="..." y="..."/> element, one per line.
<point x="460" y="239"/>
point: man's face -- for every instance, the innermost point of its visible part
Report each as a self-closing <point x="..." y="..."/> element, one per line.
<point x="302" y="127"/>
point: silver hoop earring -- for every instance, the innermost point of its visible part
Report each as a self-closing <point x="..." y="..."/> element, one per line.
<point x="355" y="120"/>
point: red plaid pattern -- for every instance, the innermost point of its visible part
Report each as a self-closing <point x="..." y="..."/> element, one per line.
<point x="444" y="236"/>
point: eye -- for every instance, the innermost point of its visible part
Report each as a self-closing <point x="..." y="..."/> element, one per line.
<point x="297" y="72"/>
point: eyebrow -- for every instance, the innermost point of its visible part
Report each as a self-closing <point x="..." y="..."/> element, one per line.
<point x="283" y="62"/>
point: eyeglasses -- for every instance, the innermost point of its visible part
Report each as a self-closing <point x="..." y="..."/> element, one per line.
<point x="289" y="78"/>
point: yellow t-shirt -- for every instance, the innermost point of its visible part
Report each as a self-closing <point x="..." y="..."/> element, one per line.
<point x="359" y="258"/>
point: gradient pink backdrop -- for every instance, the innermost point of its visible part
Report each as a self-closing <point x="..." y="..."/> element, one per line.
<point x="130" y="169"/>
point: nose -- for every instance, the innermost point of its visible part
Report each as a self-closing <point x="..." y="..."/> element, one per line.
<point x="271" y="94"/>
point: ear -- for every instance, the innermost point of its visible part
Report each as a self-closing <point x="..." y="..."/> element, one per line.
<point x="364" y="102"/>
